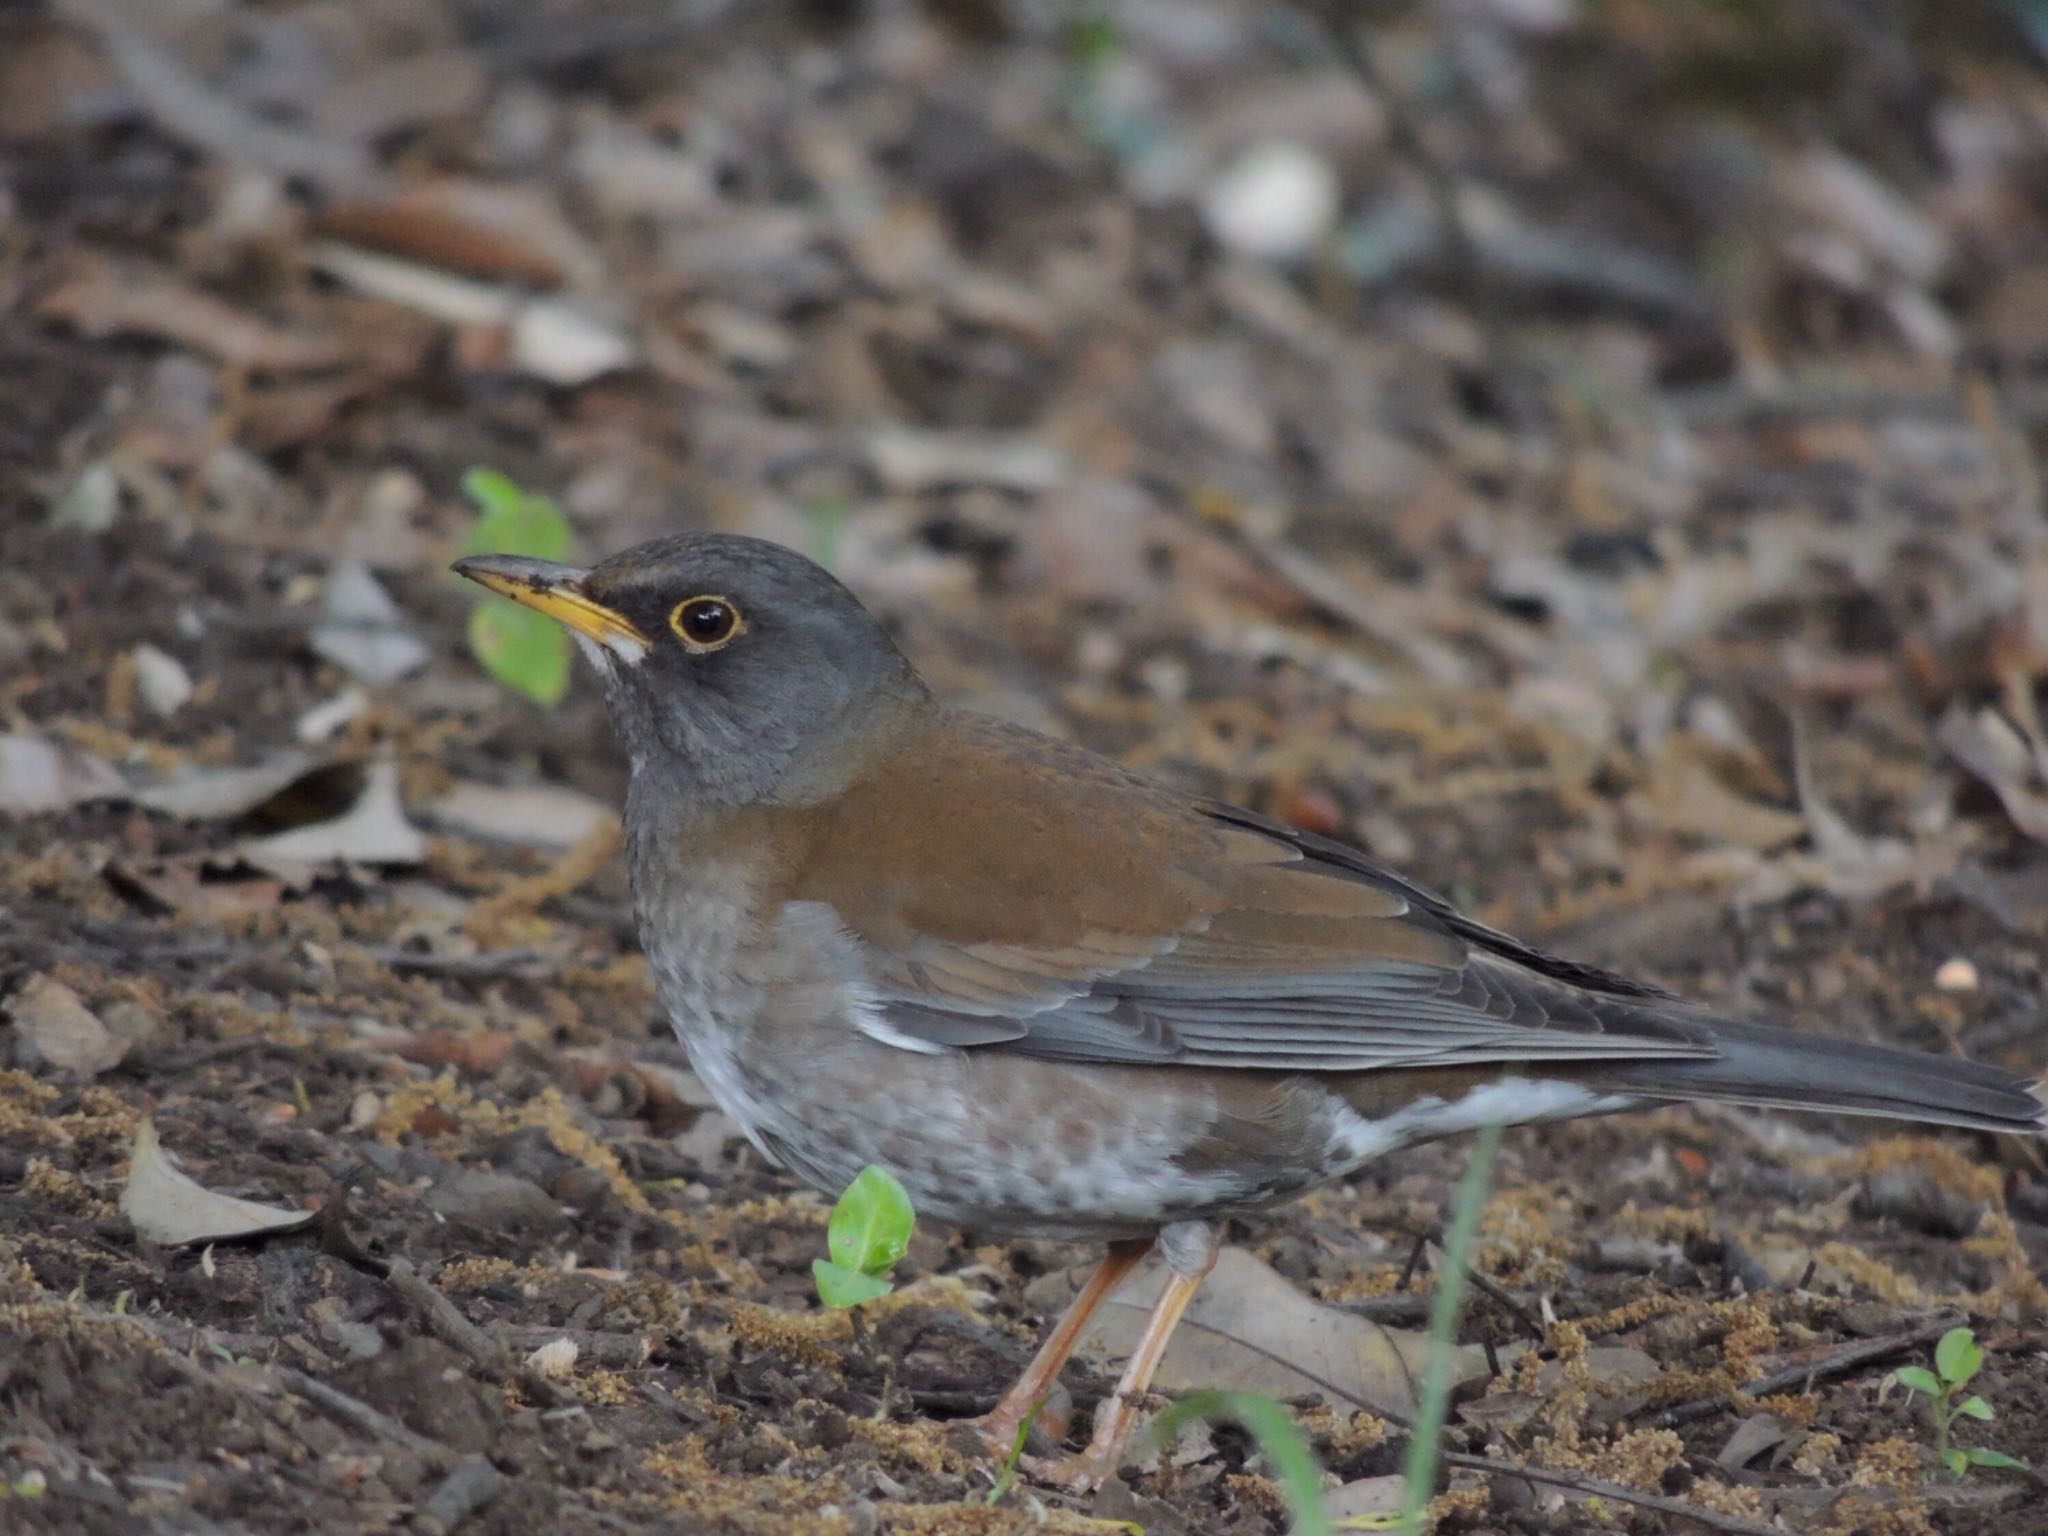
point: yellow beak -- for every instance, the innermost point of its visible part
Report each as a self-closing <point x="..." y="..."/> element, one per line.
<point x="557" y="591"/>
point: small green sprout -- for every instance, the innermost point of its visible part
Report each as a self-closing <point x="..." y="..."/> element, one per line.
<point x="1434" y="1402"/>
<point x="1015" y="1458"/>
<point x="519" y="646"/>
<point x="867" y="1235"/>
<point x="1957" y="1358"/>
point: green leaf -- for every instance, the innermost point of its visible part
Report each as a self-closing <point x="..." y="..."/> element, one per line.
<point x="1919" y="1378"/>
<point x="521" y="647"/>
<point x="870" y="1226"/>
<point x="839" y="1286"/>
<point x="1272" y="1426"/>
<point x="1974" y="1408"/>
<point x="514" y="521"/>
<point x="525" y="650"/>
<point x="1956" y="1461"/>
<point x="1984" y="1456"/>
<point x="1957" y="1356"/>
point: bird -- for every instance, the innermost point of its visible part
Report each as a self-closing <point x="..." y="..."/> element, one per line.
<point x="1059" y="999"/>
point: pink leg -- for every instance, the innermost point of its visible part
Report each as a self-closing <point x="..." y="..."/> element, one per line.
<point x="1000" y="1425"/>
<point x="1190" y="1248"/>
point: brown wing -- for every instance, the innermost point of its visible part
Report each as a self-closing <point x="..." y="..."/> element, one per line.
<point x="1013" y="893"/>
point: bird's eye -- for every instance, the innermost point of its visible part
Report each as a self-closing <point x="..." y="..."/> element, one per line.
<point x="704" y="623"/>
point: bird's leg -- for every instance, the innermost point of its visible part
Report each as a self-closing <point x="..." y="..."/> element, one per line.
<point x="1189" y="1248"/>
<point x="999" y="1426"/>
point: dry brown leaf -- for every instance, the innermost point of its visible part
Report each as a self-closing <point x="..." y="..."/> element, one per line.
<point x="1688" y="793"/>
<point x="174" y="1209"/>
<point x="1248" y="1327"/>
<point x="55" y="1029"/>
<point x="101" y="299"/>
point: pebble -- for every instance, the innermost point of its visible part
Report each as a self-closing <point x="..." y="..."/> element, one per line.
<point x="1275" y="202"/>
<point x="1956" y="975"/>
<point x="161" y="679"/>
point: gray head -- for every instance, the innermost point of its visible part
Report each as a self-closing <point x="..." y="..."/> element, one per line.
<point x="733" y="667"/>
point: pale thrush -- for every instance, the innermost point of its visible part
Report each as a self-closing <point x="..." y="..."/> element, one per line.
<point x="1056" y="998"/>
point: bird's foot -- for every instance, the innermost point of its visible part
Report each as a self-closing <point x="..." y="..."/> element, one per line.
<point x="1083" y="1473"/>
<point x="998" y="1428"/>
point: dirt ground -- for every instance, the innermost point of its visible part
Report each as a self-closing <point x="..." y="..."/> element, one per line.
<point x="1586" y="454"/>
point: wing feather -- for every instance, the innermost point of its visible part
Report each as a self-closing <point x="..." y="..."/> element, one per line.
<point x="1122" y="923"/>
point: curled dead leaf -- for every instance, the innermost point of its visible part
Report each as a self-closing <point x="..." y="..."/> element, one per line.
<point x="174" y="1209"/>
<point x="1249" y="1328"/>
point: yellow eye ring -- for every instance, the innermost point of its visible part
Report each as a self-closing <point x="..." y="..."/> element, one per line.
<point x="706" y="623"/>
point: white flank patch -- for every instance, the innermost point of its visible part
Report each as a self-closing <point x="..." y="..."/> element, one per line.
<point x="1511" y="1101"/>
<point x="871" y="1022"/>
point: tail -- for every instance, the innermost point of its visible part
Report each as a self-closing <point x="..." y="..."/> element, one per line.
<point x="1779" y="1069"/>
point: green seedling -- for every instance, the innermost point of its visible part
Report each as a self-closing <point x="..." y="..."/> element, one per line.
<point x="1273" y="1430"/>
<point x="1419" y="1471"/>
<point x="1957" y="1358"/>
<point x="1015" y="1458"/>
<point x="868" y="1233"/>
<point x="519" y="646"/>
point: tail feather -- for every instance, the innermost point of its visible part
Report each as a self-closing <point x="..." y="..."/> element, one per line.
<point x="1780" y="1069"/>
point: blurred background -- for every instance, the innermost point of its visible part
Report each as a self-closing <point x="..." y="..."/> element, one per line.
<point x="1585" y="451"/>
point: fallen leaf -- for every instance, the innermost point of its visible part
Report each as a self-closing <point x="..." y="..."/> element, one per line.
<point x="332" y="716"/>
<point x="54" y="1028"/>
<point x="554" y="340"/>
<point x="475" y="230"/>
<point x="435" y="85"/>
<point x="191" y="889"/>
<point x="1249" y="1328"/>
<point x="362" y="630"/>
<point x="1689" y="792"/>
<point x="221" y="794"/>
<point x="39" y="776"/>
<point x="102" y="299"/>
<point x="912" y="460"/>
<point x="373" y="831"/>
<point x="555" y="1359"/>
<point x="161" y="679"/>
<point x="1993" y="752"/>
<point x="1369" y="1496"/>
<point x="174" y="1209"/>
<point x="535" y="815"/>
<point x="1756" y="1434"/>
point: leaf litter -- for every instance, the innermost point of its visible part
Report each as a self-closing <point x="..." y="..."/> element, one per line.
<point x="1605" y="487"/>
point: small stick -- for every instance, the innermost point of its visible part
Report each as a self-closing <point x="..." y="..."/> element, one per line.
<point x="1599" y="1488"/>
<point x="1842" y="1361"/>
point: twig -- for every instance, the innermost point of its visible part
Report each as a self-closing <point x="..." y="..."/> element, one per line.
<point x="612" y="1351"/>
<point x="466" y="1490"/>
<point x="1839" y="1363"/>
<point x="1599" y="1488"/>
<point x="491" y="962"/>
<point x="184" y="107"/>
<point x="1487" y="1286"/>
<point x="1376" y="620"/>
<point x="356" y="1414"/>
<point x="445" y="1320"/>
